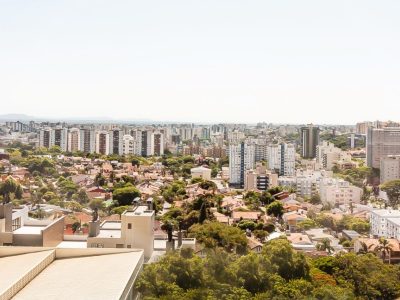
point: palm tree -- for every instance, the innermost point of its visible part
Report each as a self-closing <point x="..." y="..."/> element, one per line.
<point x="364" y="248"/>
<point x="384" y="247"/>
<point x="325" y="245"/>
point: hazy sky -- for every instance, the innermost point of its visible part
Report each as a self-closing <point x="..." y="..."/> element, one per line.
<point x="202" y="61"/>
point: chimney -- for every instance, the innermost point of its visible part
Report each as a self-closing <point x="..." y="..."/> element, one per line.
<point x="6" y="213"/>
<point x="94" y="228"/>
<point x="136" y="202"/>
<point x="180" y="233"/>
<point x="149" y="203"/>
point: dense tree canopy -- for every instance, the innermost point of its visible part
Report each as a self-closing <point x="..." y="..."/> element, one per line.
<point x="392" y="188"/>
<point x="125" y="195"/>
<point x="277" y="273"/>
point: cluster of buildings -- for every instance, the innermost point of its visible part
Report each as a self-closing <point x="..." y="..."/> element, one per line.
<point x="279" y="159"/>
<point x="105" y="142"/>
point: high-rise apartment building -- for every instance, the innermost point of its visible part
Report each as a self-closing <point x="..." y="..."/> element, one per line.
<point x="45" y="137"/>
<point x="146" y="143"/>
<point x="309" y="140"/>
<point x="157" y="144"/>
<point x="115" y="143"/>
<point x="128" y="144"/>
<point x="282" y="159"/>
<point x="49" y="137"/>
<point x="241" y="159"/>
<point x="260" y="179"/>
<point x="328" y="155"/>
<point x="102" y="142"/>
<point x="60" y="137"/>
<point x="390" y="168"/>
<point x="73" y="140"/>
<point x="87" y="140"/>
<point x="362" y="127"/>
<point x="382" y="142"/>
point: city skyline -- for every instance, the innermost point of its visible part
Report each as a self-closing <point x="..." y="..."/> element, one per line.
<point x="207" y="62"/>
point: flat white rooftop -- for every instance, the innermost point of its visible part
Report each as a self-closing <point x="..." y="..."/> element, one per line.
<point x="111" y="225"/>
<point x="139" y="211"/>
<point x="109" y="234"/>
<point x="29" y="230"/>
<point x="72" y="244"/>
<point x="86" y="276"/>
<point x="13" y="268"/>
<point x="395" y="221"/>
<point x="386" y="213"/>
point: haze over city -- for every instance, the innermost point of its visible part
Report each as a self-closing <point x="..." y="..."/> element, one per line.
<point x="209" y="61"/>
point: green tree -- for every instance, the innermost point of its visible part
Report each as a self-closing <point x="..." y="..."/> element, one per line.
<point x="325" y="245"/>
<point x="81" y="196"/>
<point x="253" y="272"/>
<point x="100" y="180"/>
<point x="275" y="209"/>
<point x="125" y="195"/>
<point x="8" y="188"/>
<point x="285" y="261"/>
<point x="203" y="212"/>
<point x="75" y="226"/>
<point x="392" y="188"/>
<point x="307" y="224"/>
<point x="96" y="204"/>
<point x="74" y="206"/>
<point x="385" y="248"/>
<point x="119" y="210"/>
<point x="216" y="234"/>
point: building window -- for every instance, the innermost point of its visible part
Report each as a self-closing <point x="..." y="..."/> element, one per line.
<point x="129" y="225"/>
<point x="129" y="246"/>
<point x="16" y="224"/>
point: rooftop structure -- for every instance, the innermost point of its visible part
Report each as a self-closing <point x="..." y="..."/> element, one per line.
<point x="50" y="273"/>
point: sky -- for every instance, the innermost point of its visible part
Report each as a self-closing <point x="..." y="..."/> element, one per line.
<point x="326" y="62"/>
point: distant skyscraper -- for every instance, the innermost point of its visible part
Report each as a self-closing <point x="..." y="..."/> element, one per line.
<point x="241" y="159"/>
<point x="382" y="142"/>
<point x="309" y="141"/>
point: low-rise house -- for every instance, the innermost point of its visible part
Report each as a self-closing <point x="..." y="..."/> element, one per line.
<point x="254" y="245"/>
<point x="201" y="172"/>
<point x="245" y="215"/>
<point x="350" y="235"/>
<point x="372" y="243"/>
<point x="300" y="241"/>
<point x="317" y="235"/>
<point x="221" y="218"/>
<point x="293" y="218"/>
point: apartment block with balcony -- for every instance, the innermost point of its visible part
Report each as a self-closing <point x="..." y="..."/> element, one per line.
<point x="385" y="223"/>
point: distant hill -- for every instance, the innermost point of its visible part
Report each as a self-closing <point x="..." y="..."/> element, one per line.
<point x="26" y="118"/>
<point x="16" y="117"/>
